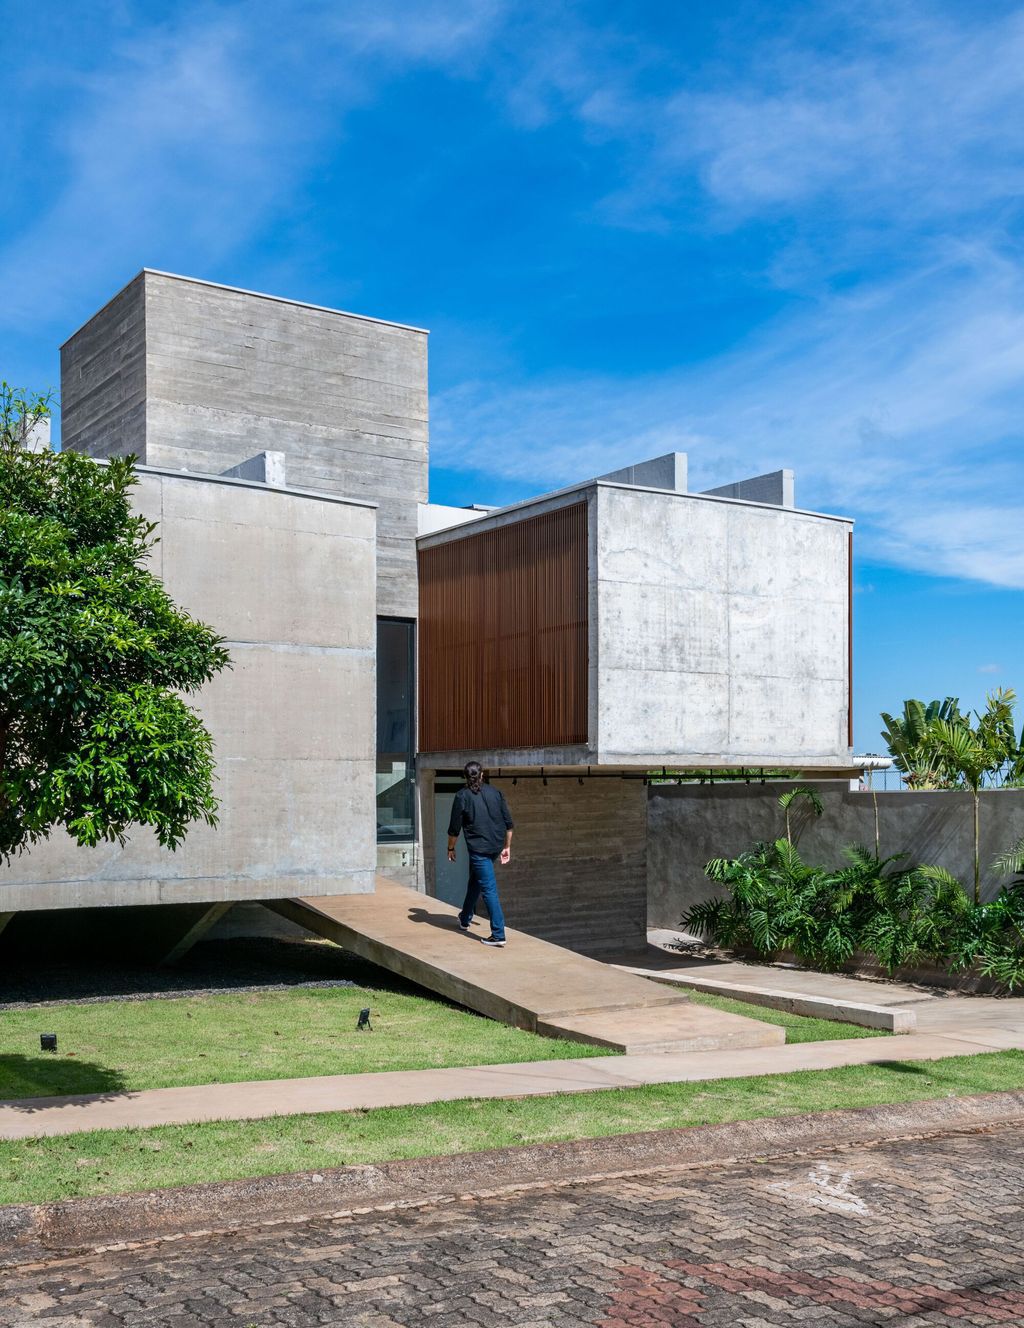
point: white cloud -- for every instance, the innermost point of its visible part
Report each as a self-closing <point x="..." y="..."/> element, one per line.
<point x="193" y="136"/>
<point x="913" y="116"/>
<point x="900" y="405"/>
<point x="990" y="668"/>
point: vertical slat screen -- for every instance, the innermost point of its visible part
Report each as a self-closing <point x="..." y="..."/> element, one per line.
<point x="503" y="636"/>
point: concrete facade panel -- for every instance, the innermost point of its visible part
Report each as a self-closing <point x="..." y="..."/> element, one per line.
<point x="103" y="379"/>
<point x="662" y="713"/>
<point x="803" y="717"/>
<point x="293" y="722"/>
<point x="722" y="631"/>
<point x="297" y="574"/>
<point x="648" y="539"/>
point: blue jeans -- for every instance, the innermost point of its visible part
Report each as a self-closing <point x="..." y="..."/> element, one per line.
<point x="482" y="882"/>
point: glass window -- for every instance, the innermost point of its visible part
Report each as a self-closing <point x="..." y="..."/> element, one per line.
<point x="396" y="723"/>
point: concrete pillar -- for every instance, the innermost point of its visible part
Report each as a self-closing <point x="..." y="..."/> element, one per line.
<point x="195" y="932"/>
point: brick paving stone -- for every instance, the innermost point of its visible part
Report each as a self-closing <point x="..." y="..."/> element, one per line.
<point x="921" y="1234"/>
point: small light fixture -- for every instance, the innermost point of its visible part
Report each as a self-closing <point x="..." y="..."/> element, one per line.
<point x="364" y="1020"/>
<point x="47" y="1041"/>
<point x="515" y="780"/>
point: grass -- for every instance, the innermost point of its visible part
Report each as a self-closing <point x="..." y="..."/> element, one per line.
<point x="799" y="1028"/>
<point x="115" y="1046"/>
<point x="117" y="1161"/>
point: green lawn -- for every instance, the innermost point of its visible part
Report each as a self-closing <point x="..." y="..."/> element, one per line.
<point x="106" y="1162"/>
<point x="799" y="1028"/>
<point x="122" y="1046"/>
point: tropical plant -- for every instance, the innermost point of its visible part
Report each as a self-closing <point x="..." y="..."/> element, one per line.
<point x="1012" y="863"/>
<point x="915" y="914"/>
<point x="911" y="741"/>
<point x="901" y="915"/>
<point x="777" y="902"/>
<point x="973" y="753"/>
<point x="94" y="656"/>
<point x="787" y="800"/>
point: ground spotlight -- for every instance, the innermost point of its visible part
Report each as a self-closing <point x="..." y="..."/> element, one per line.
<point x="47" y="1041"/>
<point x="364" y="1020"/>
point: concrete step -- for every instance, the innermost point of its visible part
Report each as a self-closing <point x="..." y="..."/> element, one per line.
<point x="665" y="1030"/>
<point x="531" y="984"/>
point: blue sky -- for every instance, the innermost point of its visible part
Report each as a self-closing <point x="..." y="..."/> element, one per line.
<point x="785" y="235"/>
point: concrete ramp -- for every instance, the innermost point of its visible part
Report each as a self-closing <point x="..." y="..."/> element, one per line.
<point x="530" y="984"/>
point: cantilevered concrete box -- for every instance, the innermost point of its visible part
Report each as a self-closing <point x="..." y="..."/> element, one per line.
<point x="288" y="579"/>
<point x="194" y="376"/>
<point x="717" y="634"/>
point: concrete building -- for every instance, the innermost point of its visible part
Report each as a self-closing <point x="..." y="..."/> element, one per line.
<point x="574" y="643"/>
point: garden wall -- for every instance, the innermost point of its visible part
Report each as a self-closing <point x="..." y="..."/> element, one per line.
<point x="690" y="823"/>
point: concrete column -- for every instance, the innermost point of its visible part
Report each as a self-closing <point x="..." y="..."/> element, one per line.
<point x="195" y="933"/>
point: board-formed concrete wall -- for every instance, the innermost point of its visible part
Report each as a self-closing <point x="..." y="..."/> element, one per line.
<point x="198" y="377"/>
<point x="103" y="379"/>
<point x="689" y="824"/>
<point x="289" y="581"/>
<point x="578" y="872"/>
<point x="722" y="631"/>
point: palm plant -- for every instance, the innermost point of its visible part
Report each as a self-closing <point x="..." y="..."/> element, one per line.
<point x="910" y="740"/>
<point x="972" y="754"/>
<point x="777" y="902"/>
<point x="787" y="800"/>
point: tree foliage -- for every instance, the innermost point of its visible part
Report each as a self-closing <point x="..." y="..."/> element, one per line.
<point x="94" y="656"/>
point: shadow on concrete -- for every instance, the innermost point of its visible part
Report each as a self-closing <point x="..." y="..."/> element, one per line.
<point x="50" y="1075"/>
<point x="444" y="921"/>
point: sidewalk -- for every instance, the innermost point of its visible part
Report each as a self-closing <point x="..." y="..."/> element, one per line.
<point x="33" y="1117"/>
<point x="897" y="1006"/>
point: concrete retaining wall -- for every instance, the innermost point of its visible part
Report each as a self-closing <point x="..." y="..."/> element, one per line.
<point x="689" y="824"/>
<point x="289" y="581"/>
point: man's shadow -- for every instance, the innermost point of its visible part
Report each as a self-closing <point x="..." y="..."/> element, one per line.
<point x="445" y="921"/>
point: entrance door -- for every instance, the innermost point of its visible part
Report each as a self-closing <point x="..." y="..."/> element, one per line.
<point x="449" y="877"/>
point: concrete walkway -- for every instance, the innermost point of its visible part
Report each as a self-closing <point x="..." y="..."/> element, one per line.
<point x="531" y="984"/>
<point x="894" y="1006"/>
<point x="32" y="1117"/>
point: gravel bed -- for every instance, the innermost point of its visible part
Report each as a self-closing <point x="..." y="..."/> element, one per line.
<point x="243" y="965"/>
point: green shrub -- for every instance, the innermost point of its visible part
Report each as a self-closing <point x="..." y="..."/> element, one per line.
<point x="901" y="916"/>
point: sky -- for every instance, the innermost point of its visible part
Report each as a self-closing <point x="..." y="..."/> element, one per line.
<point x="764" y="235"/>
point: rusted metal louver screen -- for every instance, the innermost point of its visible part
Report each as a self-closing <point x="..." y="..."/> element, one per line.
<point x="503" y="636"/>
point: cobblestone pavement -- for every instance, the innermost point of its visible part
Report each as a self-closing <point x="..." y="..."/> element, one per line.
<point x="915" y="1233"/>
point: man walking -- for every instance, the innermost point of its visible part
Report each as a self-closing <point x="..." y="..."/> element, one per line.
<point x="482" y="814"/>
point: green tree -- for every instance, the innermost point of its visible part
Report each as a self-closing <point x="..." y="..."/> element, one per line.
<point x="974" y="753"/>
<point x="94" y="656"/>
<point x="910" y="738"/>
